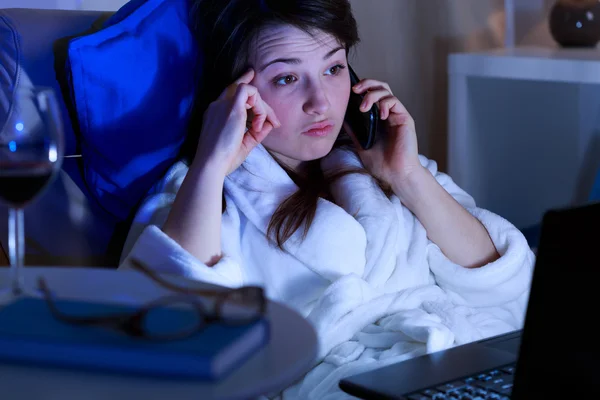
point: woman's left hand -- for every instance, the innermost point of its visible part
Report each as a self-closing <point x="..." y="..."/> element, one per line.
<point x="394" y="156"/>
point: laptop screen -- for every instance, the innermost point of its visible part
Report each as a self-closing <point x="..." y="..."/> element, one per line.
<point x="560" y="347"/>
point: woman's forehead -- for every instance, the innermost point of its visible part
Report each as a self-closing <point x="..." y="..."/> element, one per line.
<point x="289" y="40"/>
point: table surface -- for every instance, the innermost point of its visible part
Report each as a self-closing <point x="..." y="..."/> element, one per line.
<point x="288" y="356"/>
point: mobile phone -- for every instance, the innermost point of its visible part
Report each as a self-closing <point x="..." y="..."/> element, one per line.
<point x="363" y="124"/>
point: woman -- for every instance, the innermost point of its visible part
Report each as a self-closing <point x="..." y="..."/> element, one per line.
<point x="385" y="255"/>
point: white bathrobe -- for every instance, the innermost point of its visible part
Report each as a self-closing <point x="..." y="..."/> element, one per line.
<point x="375" y="288"/>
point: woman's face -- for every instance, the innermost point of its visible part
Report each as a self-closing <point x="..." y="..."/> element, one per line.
<point x="305" y="80"/>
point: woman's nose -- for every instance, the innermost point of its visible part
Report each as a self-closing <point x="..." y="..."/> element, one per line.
<point x="317" y="102"/>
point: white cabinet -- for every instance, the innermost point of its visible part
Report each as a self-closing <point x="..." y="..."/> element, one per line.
<point x="524" y="128"/>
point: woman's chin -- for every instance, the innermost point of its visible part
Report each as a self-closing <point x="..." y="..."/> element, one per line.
<point x="304" y="153"/>
<point x="317" y="152"/>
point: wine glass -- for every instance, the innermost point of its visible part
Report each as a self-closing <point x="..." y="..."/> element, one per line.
<point x="31" y="152"/>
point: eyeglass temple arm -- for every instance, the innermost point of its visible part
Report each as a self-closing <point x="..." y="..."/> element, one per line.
<point x="83" y="320"/>
<point x="138" y="265"/>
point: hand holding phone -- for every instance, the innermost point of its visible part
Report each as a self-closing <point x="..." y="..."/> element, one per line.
<point x="363" y="125"/>
<point x="396" y="152"/>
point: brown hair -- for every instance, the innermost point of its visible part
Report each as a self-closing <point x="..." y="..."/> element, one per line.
<point x="300" y="208"/>
<point x="224" y="30"/>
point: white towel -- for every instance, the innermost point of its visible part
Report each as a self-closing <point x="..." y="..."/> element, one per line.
<point x="375" y="288"/>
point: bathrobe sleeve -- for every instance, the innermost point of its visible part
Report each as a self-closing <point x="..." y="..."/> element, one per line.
<point x="500" y="282"/>
<point x="148" y="243"/>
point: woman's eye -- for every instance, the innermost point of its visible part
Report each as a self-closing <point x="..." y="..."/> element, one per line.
<point x="289" y="79"/>
<point x="285" y="80"/>
<point x="336" y="69"/>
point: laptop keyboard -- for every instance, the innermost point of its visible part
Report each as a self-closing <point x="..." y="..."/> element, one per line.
<point x="496" y="384"/>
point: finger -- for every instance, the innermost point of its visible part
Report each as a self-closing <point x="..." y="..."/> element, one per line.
<point x="244" y="79"/>
<point x="385" y="106"/>
<point x="396" y="109"/>
<point x="370" y="84"/>
<point x="252" y="139"/>
<point x="372" y="98"/>
<point x="259" y="111"/>
<point x="272" y="117"/>
<point x="244" y="100"/>
<point x="248" y="99"/>
<point x="399" y="116"/>
<point x="258" y="137"/>
<point x="262" y="112"/>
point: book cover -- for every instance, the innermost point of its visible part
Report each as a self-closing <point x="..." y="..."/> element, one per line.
<point x="29" y="333"/>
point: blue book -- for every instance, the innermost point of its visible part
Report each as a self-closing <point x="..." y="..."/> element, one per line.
<point x="29" y="333"/>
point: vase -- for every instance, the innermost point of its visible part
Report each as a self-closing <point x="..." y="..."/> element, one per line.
<point x="575" y="23"/>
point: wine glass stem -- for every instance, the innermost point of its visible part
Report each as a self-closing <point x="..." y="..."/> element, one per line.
<point x="16" y="247"/>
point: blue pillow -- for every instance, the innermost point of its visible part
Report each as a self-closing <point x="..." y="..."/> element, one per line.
<point x="132" y="85"/>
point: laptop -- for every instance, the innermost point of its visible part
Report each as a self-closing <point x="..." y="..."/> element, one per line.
<point x="556" y="354"/>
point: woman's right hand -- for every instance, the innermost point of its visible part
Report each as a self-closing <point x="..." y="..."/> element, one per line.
<point x="227" y="136"/>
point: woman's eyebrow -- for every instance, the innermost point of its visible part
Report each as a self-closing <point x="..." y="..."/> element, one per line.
<point x="296" y="61"/>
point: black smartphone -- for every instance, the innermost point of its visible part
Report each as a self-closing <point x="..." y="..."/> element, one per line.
<point x="363" y="124"/>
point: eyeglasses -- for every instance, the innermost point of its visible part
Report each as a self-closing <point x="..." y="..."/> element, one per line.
<point x="172" y="317"/>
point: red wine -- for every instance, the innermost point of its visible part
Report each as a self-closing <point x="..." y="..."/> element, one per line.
<point x="20" y="183"/>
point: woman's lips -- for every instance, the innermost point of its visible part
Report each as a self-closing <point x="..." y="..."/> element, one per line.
<point x="319" y="129"/>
